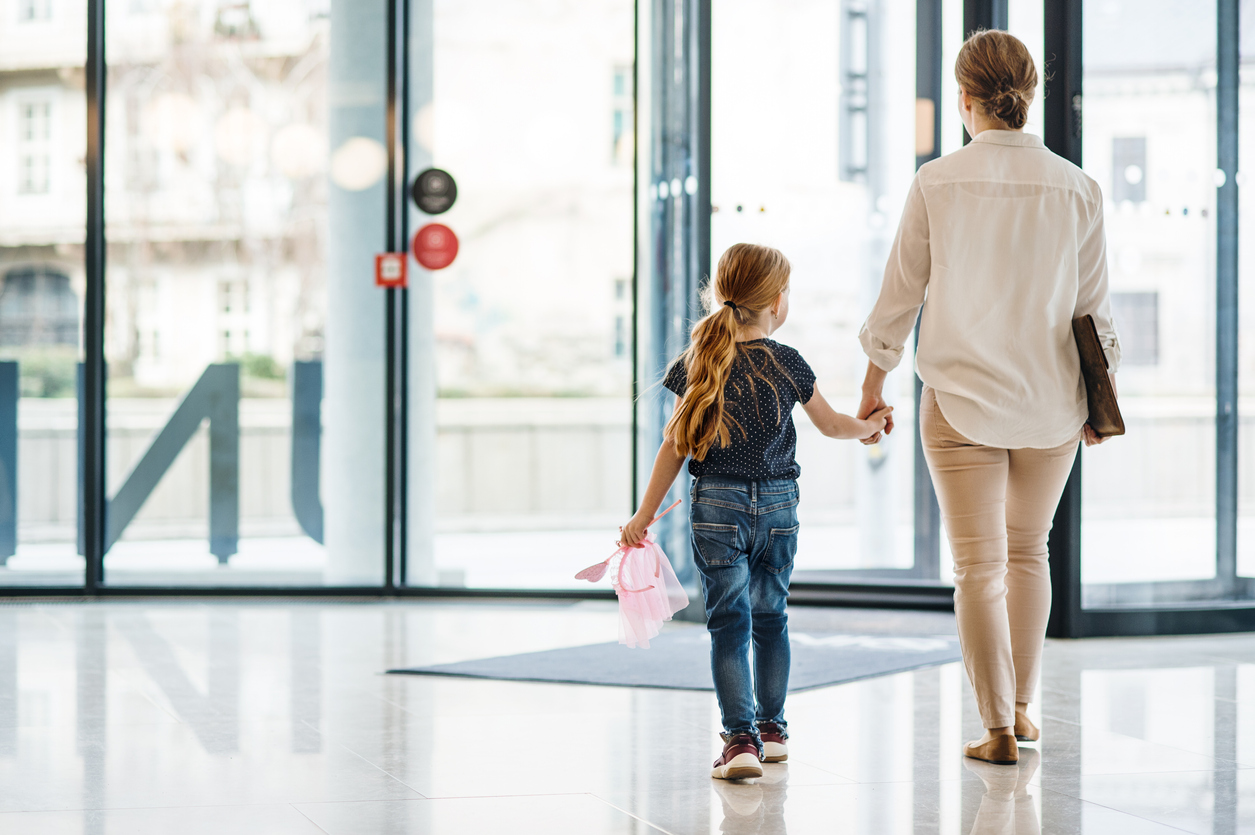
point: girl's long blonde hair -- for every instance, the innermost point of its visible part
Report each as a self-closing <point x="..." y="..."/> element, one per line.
<point x="751" y="278"/>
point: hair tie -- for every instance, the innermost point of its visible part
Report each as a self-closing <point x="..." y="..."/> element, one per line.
<point x="730" y="304"/>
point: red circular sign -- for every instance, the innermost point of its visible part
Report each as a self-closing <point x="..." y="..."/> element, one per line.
<point x="435" y="246"/>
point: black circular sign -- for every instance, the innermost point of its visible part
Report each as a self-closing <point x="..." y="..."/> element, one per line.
<point x="434" y="191"/>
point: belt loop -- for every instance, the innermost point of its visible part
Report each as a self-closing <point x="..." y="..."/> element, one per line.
<point x="753" y="492"/>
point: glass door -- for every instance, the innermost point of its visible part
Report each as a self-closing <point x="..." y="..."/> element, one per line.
<point x="813" y="148"/>
<point x="244" y="336"/>
<point x="42" y="280"/>
<point x="1246" y="305"/>
<point x="1150" y="113"/>
<point x="520" y="350"/>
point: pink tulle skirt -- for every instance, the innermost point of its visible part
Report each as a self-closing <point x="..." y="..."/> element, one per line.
<point x="649" y="593"/>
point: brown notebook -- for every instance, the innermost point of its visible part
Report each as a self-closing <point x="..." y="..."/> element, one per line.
<point x="1104" y="412"/>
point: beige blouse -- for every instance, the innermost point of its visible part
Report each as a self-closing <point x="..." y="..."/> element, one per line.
<point x="1002" y="243"/>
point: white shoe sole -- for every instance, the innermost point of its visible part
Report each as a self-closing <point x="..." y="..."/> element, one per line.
<point x="775" y="752"/>
<point x="740" y="767"/>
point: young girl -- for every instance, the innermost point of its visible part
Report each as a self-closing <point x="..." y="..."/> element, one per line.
<point x="733" y="421"/>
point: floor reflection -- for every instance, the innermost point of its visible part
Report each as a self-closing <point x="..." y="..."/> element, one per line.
<point x="755" y="807"/>
<point x="1007" y="807"/>
<point x="275" y="717"/>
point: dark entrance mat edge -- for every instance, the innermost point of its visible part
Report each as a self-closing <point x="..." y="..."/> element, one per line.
<point x="679" y="660"/>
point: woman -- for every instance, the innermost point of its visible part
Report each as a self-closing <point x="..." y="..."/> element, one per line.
<point x="1002" y="244"/>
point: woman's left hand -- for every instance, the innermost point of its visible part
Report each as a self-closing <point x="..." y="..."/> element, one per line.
<point x="873" y="400"/>
<point x="1091" y="437"/>
<point x="870" y="404"/>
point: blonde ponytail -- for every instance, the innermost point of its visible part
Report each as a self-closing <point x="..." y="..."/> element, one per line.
<point x="748" y="280"/>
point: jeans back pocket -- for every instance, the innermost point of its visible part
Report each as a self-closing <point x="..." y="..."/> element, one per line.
<point x="717" y="543"/>
<point x="781" y="549"/>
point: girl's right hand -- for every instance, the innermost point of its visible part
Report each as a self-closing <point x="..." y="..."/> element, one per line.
<point x="876" y="423"/>
<point x="633" y="533"/>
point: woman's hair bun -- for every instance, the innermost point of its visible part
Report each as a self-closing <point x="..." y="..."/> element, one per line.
<point x="1011" y="108"/>
<point x="996" y="69"/>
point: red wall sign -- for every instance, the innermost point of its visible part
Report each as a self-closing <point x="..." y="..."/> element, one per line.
<point x="435" y="246"/>
<point x="390" y="269"/>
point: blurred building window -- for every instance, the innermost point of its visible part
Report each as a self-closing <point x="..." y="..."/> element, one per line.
<point x="623" y="121"/>
<point x="1137" y="320"/>
<point x="37" y="307"/>
<point x="34" y="146"/>
<point x="1128" y="169"/>
<point x="623" y="309"/>
<point x="235" y="20"/>
<point x="32" y="10"/>
<point x="857" y="122"/>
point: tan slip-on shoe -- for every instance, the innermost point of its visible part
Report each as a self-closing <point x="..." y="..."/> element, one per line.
<point x="1025" y="730"/>
<point x="1001" y="750"/>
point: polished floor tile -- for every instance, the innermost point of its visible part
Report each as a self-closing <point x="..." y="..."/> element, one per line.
<point x="282" y="819"/>
<point x="275" y="717"/>
<point x="564" y="814"/>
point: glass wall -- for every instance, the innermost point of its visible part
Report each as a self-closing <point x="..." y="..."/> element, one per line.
<point x="1026" y="20"/>
<point x="237" y="136"/>
<point x="245" y="342"/>
<point x="529" y="107"/>
<point x="1246" y="297"/>
<point x="1149" y="498"/>
<point x="42" y="280"/>
<point x="813" y="151"/>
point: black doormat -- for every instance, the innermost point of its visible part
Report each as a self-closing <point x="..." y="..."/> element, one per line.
<point x="679" y="659"/>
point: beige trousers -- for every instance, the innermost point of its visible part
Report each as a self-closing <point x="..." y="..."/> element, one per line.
<point x="997" y="505"/>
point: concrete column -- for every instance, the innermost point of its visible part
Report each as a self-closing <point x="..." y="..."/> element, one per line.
<point x="421" y="451"/>
<point x="354" y="443"/>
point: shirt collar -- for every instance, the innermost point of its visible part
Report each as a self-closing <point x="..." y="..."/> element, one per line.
<point x="1009" y="137"/>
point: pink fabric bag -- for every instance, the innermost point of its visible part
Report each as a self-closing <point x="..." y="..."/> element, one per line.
<point x="649" y="593"/>
<point x="647" y="588"/>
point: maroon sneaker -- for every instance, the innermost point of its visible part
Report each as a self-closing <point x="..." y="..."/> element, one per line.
<point x="775" y="749"/>
<point x="739" y="759"/>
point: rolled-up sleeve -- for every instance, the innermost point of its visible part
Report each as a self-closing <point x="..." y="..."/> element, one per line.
<point x="1093" y="295"/>
<point x="885" y="332"/>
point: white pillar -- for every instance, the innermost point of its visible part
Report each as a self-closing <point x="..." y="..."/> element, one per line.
<point x="354" y="446"/>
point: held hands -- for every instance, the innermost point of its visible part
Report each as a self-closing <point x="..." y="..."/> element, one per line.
<point x="874" y="409"/>
<point x="878" y="421"/>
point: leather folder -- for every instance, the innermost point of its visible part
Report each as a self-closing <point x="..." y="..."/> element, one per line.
<point x="1104" y="412"/>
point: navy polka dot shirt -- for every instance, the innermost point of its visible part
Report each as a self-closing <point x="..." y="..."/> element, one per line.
<point x="768" y="446"/>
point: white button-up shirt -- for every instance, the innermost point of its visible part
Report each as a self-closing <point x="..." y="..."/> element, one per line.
<point x="1002" y="243"/>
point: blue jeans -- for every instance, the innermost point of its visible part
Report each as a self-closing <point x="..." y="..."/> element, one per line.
<point x="744" y="539"/>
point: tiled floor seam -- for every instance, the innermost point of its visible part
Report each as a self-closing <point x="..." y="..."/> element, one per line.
<point x="495" y="796"/>
<point x="1239" y="766"/>
<point x="312" y="822"/>
<point x="1082" y="800"/>
<point x="371" y="764"/>
<point x="175" y="806"/>
<point x="632" y="816"/>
